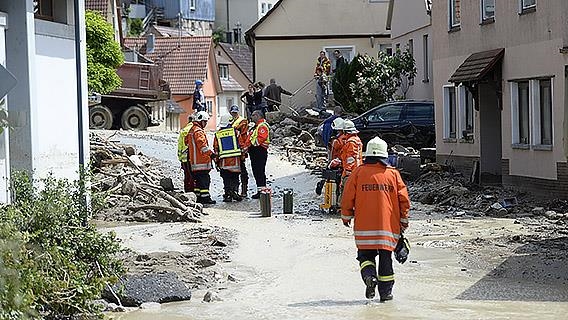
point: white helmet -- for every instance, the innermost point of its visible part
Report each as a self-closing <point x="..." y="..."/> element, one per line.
<point x="337" y="124"/>
<point x="349" y="127"/>
<point x="201" y="116"/>
<point x="225" y="120"/>
<point x="376" y="147"/>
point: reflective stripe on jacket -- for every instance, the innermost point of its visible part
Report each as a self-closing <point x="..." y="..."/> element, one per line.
<point x="227" y="143"/>
<point x="229" y="163"/>
<point x="351" y="153"/>
<point x="376" y="197"/>
<point x="182" y="146"/>
<point x="198" y="149"/>
<point x="261" y="134"/>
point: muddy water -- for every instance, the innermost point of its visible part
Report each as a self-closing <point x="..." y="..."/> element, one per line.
<point x="302" y="267"/>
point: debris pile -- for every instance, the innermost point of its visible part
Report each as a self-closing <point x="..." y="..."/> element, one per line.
<point x="136" y="189"/>
<point x="296" y="135"/>
<point x="453" y="193"/>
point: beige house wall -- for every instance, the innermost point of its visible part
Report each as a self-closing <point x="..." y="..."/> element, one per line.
<point x="532" y="43"/>
<point x="324" y="17"/>
<point x="292" y="62"/>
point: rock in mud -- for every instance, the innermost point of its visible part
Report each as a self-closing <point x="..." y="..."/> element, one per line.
<point x="211" y="296"/>
<point x="135" y="290"/>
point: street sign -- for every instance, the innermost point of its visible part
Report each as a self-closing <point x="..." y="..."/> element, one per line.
<point x="7" y="81"/>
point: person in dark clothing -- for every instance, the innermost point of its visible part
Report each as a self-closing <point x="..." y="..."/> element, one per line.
<point x="248" y="99"/>
<point x="258" y="150"/>
<point x="340" y="61"/>
<point x="258" y="101"/>
<point x="199" y="97"/>
<point x="327" y="130"/>
<point x="273" y="95"/>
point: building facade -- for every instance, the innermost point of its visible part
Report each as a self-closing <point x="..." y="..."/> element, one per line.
<point x="195" y="16"/>
<point x="410" y="24"/>
<point x="48" y="107"/>
<point x="237" y="16"/>
<point x="500" y="90"/>
<point x="288" y="39"/>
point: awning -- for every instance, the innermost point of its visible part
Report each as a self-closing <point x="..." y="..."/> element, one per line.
<point x="477" y="65"/>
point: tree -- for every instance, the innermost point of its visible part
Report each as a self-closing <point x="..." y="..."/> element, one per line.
<point x="103" y="55"/>
<point x="135" y="28"/>
<point x="366" y="81"/>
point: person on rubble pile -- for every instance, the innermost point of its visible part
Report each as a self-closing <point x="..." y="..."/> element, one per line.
<point x="188" y="183"/>
<point x="227" y="147"/>
<point x="200" y="156"/>
<point x="376" y="196"/>
<point x="273" y="95"/>
<point x="241" y="124"/>
<point x="199" y="97"/>
<point x="258" y="150"/>
<point x="351" y="153"/>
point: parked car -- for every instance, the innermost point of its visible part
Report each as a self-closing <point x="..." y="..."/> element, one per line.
<point x="409" y="123"/>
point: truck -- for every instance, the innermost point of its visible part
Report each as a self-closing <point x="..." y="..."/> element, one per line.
<point x="130" y="106"/>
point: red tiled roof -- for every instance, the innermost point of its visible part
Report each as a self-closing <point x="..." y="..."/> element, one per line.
<point x="183" y="65"/>
<point x="101" y="6"/>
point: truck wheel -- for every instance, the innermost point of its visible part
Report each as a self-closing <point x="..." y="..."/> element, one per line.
<point x="100" y="117"/>
<point x="134" y="118"/>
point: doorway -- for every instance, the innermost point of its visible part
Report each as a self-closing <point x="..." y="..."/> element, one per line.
<point x="490" y="134"/>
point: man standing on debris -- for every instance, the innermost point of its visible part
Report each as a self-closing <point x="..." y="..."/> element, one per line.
<point x="226" y="145"/>
<point x="241" y="124"/>
<point x="323" y="62"/>
<point x="188" y="183"/>
<point x="273" y="95"/>
<point x="199" y="97"/>
<point x="200" y="156"/>
<point x="258" y="150"/>
<point x="376" y="196"/>
<point x="321" y="89"/>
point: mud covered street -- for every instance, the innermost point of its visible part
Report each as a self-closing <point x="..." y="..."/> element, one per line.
<point x="302" y="266"/>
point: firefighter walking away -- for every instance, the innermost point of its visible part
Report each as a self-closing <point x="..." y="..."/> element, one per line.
<point x="376" y="198"/>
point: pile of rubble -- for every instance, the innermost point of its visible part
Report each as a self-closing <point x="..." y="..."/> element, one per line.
<point x="453" y="193"/>
<point x="135" y="188"/>
<point x="296" y="135"/>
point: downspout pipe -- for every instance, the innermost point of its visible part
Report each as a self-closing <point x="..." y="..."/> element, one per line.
<point x="79" y="73"/>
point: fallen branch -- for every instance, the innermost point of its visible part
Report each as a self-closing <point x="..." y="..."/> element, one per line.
<point x="177" y="211"/>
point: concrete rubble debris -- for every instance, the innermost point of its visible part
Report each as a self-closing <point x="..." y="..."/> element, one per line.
<point x="137" y="190"/>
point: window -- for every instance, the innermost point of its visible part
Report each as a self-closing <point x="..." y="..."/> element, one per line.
<point x="419" y="112"/>
<point x="466" y="113"/>
<point x="450" y="104"/>
<point x="531" y="105"/>
<point x="545" y="112"/>
<point x="209" y="104"/>
<point x="224" y="71"/>
<point x="428" y="5"/>
<point x="426" y="59"/>
<point x="487" y="10"/>
<point x="192" y="5"/>
<point x="387" y="113"/>
<point x="386" y="48"/>
<point x="411" y="47"/>
<point x="527" y="4"/>
<point x="43" y="9"/>
<point x="454" y="13"/>
<point x="397" y="47"/>
<point x="263" y="8"/>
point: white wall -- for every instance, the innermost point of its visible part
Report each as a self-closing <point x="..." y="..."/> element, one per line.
<point x="4" y="139"/>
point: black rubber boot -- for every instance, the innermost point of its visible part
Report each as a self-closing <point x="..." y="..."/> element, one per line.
<point x="371" y="283"/>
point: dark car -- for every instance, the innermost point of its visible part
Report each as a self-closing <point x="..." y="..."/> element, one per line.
<point x="408" y="123"/>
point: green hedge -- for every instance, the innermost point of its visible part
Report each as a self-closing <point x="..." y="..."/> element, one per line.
<point x="52" y="262"/>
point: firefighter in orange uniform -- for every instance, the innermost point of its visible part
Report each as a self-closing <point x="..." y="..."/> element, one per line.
<point x="241" y="124"/>
<point x="229" y="152"/>
<point x="376" y="197"/>
<point x="258" y="150"/>
<point x="200" y="156"/>
<point x="350" y="156"/>
<point x="337" y="142"/>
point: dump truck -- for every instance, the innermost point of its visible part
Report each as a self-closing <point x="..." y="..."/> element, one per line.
<point x="130" y="106"/>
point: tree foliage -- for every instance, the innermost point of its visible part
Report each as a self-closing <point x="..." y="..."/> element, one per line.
<point x="103" y="55"/>
<point x="52" y="262"/>
<point x="135" y="27"/>
<point x="366" y="81"/>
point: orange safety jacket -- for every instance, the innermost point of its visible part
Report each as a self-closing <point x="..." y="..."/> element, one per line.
<point x="232" y="164"/>
<point x="351" y="153"/>
<point x="261" y="134"/>
<point x="241" y="124"/>
<point x="198" y="149"/>
<point x="376" y="197"/>
<point x="336" y="146"/>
